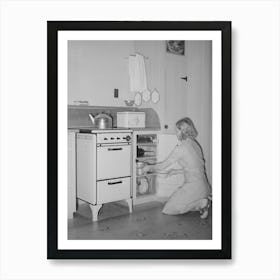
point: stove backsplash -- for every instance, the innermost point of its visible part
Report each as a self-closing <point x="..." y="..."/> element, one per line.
<point x="78" y="115"/>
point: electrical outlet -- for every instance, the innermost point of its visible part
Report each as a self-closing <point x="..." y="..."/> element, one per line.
<point x="116" y="92"/>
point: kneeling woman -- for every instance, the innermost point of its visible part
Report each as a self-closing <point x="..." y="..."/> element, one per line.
<point x="194" y="193"/>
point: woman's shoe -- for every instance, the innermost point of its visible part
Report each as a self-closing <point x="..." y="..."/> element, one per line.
<point x="204" y="210"/>
<point x="204" y="213"/>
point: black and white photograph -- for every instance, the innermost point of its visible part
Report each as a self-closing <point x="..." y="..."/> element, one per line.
<point x="139" y="123"/>
<point x="143" y="167"/>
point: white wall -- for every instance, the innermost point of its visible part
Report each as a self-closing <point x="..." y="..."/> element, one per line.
<point x="96" y="68"/>
<point x="199" y="97"/>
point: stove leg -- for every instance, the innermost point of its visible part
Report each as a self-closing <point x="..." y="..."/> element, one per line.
<point x="129" y="202"/>
<point x="94" y="210"/>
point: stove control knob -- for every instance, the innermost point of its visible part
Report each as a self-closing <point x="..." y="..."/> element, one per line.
<point x="112" y="138"/>
<point x="105" y="138"/>
<point x="127" y="138"/>
<point x="118" y="138"/>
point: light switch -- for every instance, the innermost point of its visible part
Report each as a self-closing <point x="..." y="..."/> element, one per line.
<point x="116" y="92"/>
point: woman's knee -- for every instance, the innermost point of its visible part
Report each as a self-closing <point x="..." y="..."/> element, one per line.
<point x="170" y="210"/>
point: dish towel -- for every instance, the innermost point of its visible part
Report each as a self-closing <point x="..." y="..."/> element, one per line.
<point x="137" y="73"/>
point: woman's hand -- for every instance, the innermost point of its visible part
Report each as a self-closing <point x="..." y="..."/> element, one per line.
<point x="147" y="168"/>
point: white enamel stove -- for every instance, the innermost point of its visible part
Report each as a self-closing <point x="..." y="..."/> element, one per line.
<point x="104" y="167"/>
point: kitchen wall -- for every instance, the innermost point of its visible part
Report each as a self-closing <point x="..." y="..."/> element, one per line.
<point x="199" y="97"/>
<point x="155" y="68"/>
<point x="96" y="68"/>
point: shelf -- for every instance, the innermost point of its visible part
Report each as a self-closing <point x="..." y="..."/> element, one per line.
<point x="147" y="194"/>
<point x="146" y="175"/>
<point x="145" y="158"/>
<point x="146" y="144"/>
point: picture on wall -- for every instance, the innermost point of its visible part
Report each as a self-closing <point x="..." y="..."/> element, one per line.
<point x="175" y="47"/>
<point x="139" y="140"/>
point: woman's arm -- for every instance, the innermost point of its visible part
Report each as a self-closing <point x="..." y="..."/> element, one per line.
<point x="161" y="166"/>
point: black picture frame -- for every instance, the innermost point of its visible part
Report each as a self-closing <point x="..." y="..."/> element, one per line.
<point x="53" y="27"/>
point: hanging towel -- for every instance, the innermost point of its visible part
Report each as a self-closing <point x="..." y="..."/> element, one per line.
<point x="137" y="73"/>
<point x="132" y="72"/>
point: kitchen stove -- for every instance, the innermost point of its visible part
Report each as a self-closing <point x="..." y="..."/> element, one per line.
<point x="104" y="167"/>
<point x="110" y="136"/>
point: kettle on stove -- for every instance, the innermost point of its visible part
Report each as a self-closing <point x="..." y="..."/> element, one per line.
<point x="101" y="121"/>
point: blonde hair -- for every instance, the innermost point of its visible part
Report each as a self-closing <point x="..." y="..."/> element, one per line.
<point x="187" y="129"/>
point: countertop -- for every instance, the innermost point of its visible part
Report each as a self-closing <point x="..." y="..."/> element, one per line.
<point x="114" y="128"/>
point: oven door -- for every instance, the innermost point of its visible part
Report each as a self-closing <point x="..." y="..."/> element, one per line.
<point x="113" y="161"/>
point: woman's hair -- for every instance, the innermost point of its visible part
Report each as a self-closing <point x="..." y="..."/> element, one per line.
<point x="187" y="129"/>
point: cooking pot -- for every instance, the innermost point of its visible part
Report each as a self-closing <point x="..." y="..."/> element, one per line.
<point x="143" y="185"/>
<point x="140" y="165"/>
<point x="101" y="121"/>
<point x="140" y="152"/>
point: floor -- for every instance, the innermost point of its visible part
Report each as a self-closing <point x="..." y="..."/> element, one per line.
<point x="146" y="222"/>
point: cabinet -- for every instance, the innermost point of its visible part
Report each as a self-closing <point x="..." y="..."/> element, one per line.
<point x="145" y="151"/>
<point x="157" y="147"/>
<point x="71" y="173"/>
